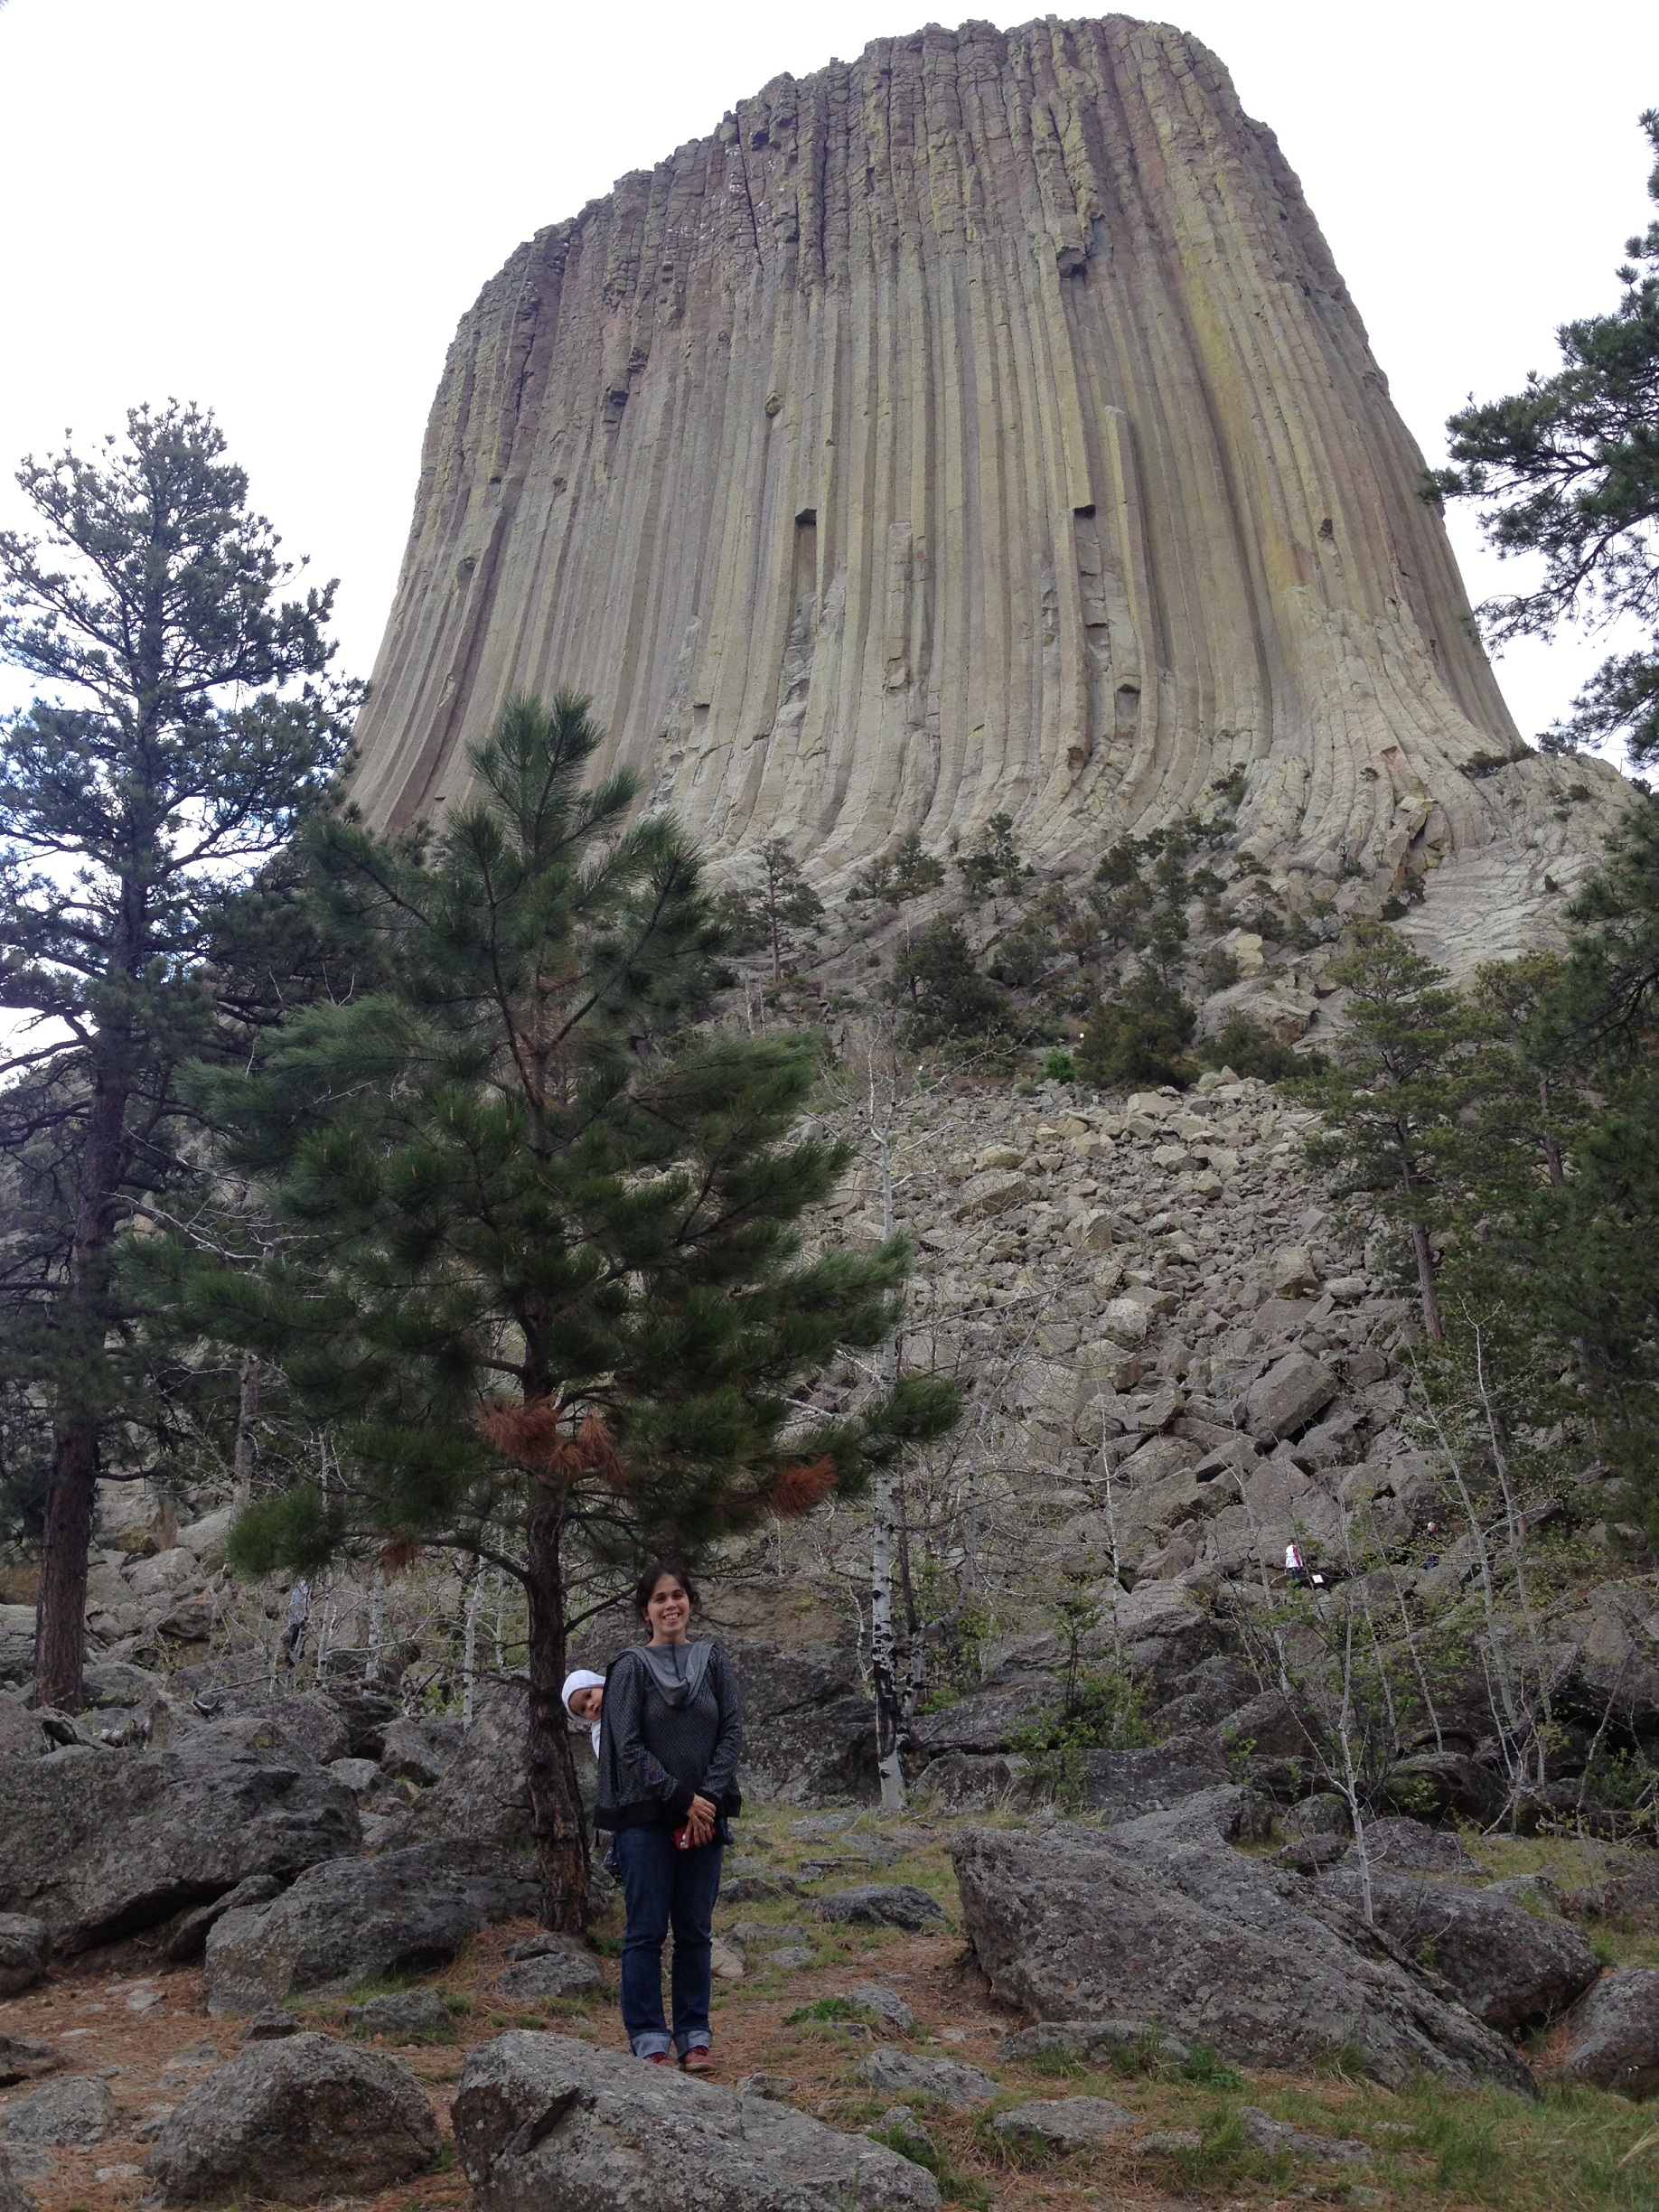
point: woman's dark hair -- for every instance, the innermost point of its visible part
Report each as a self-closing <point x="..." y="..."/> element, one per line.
<point x="645" y="1588"/>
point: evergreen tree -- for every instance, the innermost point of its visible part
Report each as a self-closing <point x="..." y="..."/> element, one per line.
<point x="1394" y="1094"/>
<point x="1578" y="1238"/>
<point x="544" y="1273"/>
<point x="1572" y="464"/>
<point x="950" y="1002"/>
<point x="907" y="875"/>
<point x="1142" y="1038"/>
<point x="992" y="860"/>
<point x="779" y="907"/>
<point x="186" y="725"/>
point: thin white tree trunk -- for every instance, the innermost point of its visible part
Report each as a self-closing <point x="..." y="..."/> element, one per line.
<point x="247" y="1413"/>
<point x="884" y="1527"/>
<point x="376" y="1625"/>
<point x="469" y="1644"/>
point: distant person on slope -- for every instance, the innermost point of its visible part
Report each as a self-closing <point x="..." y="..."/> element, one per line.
<point x="668" y="1768"/>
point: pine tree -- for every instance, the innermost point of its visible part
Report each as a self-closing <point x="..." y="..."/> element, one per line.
<point x="544" y="1272"/>
<point x="1577" y="1239"/>
<point x="952" y="1003"/>
<point x="780" y="906"/>
<point x="1572" y="463"/>
<point x="1144" y="1036"/>
<point x="185" y="728"/>
<point x="1393" y="1094"/>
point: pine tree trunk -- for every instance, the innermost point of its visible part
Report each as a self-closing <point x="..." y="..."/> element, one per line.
<point x="59" y="1645"/>
<point x="60" y="1620"/>
<point x="556" y="1821"/>
<point x="1426" y="1290"/>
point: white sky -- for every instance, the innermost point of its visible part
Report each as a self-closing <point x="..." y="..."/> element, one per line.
<point x="282" y="210"/>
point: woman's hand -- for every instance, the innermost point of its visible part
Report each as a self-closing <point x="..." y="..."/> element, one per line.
<point x="701" y="1821"/>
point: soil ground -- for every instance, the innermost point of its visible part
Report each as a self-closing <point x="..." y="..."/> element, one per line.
<point x="124" y="2012"/>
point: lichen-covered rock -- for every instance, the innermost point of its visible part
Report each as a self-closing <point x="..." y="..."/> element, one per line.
<point x="561" y="1970"/>
<point x="1160" y="1918"/>
<point x="357" y="1918"/>
<point x="1613" y="2034"/>
<point x="1511" y="1968"/>
<point x="899" y="1905"/>
<point x="25" y="1948"/>
<point x="13" y="2197"/>
<point x="296" y="2120"/>
<point x="542" y="2120"/>
<point x="23" y="2058"/>
<point x="948" y="2081"/>
<point x="100" y="1844"/>
<point x="1287" y="1398"/>
<point x="78" y="2109"/>
<point x="403" y="2012"/>
<point x="1064" y="2124"/>
<point x="482" y="1795"/>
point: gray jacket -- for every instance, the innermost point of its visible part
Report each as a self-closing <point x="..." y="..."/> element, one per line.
<point x="672" y="1729"/>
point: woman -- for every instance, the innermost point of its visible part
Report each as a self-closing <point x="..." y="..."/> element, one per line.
<point x="668" y="1768"/>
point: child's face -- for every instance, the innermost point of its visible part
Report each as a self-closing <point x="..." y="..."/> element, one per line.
<point x="586" y="1703"/>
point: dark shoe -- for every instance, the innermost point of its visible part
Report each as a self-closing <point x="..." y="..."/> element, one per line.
<point x="699" y="2059"/>
<point x="659" y="2058"/>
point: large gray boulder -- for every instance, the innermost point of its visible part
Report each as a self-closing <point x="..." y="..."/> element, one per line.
<point x="808" y="1732"/>
<point x="542" y="2120"/>
<point x="1160" y="1918"/>
<point x="23" y="2058"/>
<point x="17" y="1644"/>
<point x="99" y="1844"/>
<point x="296" y="2120"/>
<point x="20" y="1733"/>
<point x="78" y="2109"/>
<point x="13" y="2197"/>
<point x="484" y="1795"/>
<point x="1613" y="2036"/>
<point x="1125" y="1785"/>
<point x="1287" y="1398"/>
<point x="25" y="1948"/>
<point x="423" y="1750"/>
<point x="985" y="1720"/>
<point x="354" y="1919"/>
<point x="1511" y="1968"/>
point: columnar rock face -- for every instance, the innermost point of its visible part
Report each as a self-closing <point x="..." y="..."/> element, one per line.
<point x="978" y="425"/>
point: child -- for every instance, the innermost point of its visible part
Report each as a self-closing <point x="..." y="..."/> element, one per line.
<point x="583" y="1696"/>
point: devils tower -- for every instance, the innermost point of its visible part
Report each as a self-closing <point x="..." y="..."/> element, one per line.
<point x="979" y="426"/>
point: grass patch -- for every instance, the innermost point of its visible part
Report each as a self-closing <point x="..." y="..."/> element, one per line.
<point x="828" y="2008"/>
<point x="919" y="2147"/>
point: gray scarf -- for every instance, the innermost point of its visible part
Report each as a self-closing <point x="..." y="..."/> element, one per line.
<point x="677" y="1669"/>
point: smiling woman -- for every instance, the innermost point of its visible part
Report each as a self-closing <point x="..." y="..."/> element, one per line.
<point x="667" y="1765"/>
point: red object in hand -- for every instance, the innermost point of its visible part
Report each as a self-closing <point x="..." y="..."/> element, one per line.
<point x="681" y="1837"/>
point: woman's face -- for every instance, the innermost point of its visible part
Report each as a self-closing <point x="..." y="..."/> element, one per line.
<point x="668" y="1609"/>
<point x="586" y="1703"/>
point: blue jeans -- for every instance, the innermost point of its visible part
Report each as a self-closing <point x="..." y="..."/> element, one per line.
<point x="664" y="1888"/>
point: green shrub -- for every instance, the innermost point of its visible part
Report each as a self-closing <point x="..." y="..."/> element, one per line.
<point x="950" y="1002"/>
<point x="1141" y="1037"/>
<point x="1058" y="1066"/>
<point x="1248" y="1049"/>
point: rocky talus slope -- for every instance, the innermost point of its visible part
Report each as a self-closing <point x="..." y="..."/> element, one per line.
<point x="1176" y="1368"/>
<point x="979" y="426"/>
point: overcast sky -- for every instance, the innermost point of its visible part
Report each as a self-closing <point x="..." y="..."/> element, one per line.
<point x="282" y="210"/>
